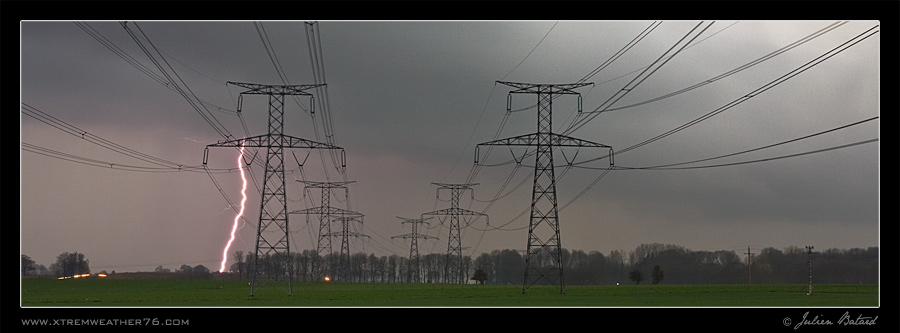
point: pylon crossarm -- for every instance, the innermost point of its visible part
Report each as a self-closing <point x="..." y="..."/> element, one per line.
<point x="454" y="211"/>
<point x="314" y="184"/>
<point x="454" y="186"/>
<point x="406" y="236"/>
<point x="263" y="89"/>
<point x="531" y="88"/>
<point x="409" y="220"/>
<point x="350" y="234"/>
<point x="327" y="211"/>
<point x="274" y="140"/>
<point x="554" y="140"/>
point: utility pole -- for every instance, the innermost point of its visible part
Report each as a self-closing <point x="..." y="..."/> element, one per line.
<point x="749" y="261"/>
<point x="809" y="253"/>
<point x="414" y="264"/>
<point x="325" y="213"/>
<point x="543" y="228"/>
<point x="453" y="268"/>
<point x="273" y="213"/>
<point x="345" y="233"/>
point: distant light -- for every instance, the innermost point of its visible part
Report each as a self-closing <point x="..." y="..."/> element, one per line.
<point x="101" y="275"/>
<point x="327" y="279"/>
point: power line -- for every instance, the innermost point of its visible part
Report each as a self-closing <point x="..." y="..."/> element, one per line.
<point x="737" y="69"/>
<point x="94" y="33"/>
<point x="530" y="52"/>
<point x="54" y="122"/>
<point x="164" y="165"/>
<point x="208" y="116"/>
<point x="744" y="98"/>
<point x="755" y="161"/>
<point x="764" y="88"/>
<point x="622" y="51"/>
<point x="656" y="65"/>
<point x="670" y="166"/>
<point x="477" y="166"/>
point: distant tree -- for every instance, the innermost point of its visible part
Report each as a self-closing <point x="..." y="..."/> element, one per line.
<point x="43" y="271"/>
<point x="239" y="263"/>
<point x="28" y="266"/>
<point x="636" y="276"/>
<point x="69" y="264"/>
<point x="657" y="274"/>
<point x="508" y="266"/>
<point x="373" y="267"/>
<point x="616" y="257"/>
<point x="479" y="276"/>
<point x="302" y="265"/>
<point x="185" y="269"/>
<point x="201" y="272"/>
<point x="161" y="269"/>
<point x="466" y="264"/>
<point x="392" y="268"/>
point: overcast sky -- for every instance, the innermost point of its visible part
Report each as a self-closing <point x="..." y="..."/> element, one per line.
<point x="409" y="102"/>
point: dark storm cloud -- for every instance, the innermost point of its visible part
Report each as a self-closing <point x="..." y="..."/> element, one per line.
<point x="409" y="102"/>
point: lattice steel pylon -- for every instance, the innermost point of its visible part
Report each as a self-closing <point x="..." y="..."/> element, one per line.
<point x="272" y="256"/>
<point x="454" y="266"/>
<point x="345" y="233"/>
<point x="325" y="212"/>
<point x="543" y="227"/>
<point x="414" y="264"/>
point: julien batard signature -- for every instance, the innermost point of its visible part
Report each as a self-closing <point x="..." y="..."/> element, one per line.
<point x="845" y="319"/>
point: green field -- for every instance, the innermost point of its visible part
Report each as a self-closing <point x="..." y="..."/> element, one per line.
<point x="211" y="293"/>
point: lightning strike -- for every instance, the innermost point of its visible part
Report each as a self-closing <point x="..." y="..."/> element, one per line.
<point x="237" y="217"/>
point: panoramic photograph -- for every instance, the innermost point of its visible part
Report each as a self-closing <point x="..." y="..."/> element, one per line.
<point x="168" y="167"/>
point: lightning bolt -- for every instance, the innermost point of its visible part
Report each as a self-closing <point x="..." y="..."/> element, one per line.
<point x="237" y="217"/>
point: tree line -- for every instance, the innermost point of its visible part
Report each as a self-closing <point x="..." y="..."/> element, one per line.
<point x="67" y="264"/>
<point x="653" y="263"/>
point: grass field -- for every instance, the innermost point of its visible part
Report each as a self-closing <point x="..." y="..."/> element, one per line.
<point x="211" y="293"/>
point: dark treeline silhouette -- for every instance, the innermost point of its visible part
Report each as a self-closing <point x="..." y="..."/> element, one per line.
<point x="656" y="263"/>
<point x="650" y="263"/>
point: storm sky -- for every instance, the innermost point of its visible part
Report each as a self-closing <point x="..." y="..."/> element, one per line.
<point x="410" y="100"/>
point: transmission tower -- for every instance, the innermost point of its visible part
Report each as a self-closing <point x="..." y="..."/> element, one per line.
<point x="810" y="253"/>
<point x="345" y="234"/>
<point x="325" y="213"/>
<point x="414" y="264"/>
<point x="749" y="262"/>
<point x="274" y="249"/>
<point x="543" y="228"/>
<point x="453" y="268"/>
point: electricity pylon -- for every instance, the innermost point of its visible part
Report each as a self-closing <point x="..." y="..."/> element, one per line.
<point x="809" y="251"/>
<point x="453" y="268"/>
<point x="345" y="233"/>
<point x="749" y="262"/>
<point x="414" y="264"/>
<point x="273" y="213"/>
<point x="325" y="213"/>
<point x="543" y="227"/>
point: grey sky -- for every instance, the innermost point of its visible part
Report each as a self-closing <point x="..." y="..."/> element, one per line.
<point x="409" y="103"/>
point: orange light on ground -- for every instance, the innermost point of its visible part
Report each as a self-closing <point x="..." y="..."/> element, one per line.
<point x="327" y="279"/>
